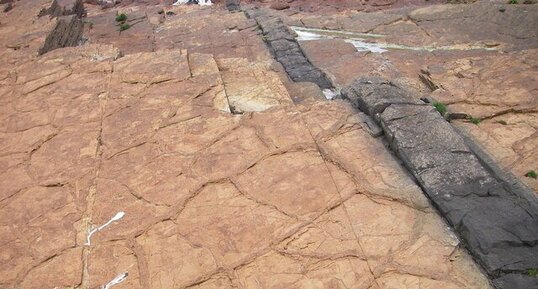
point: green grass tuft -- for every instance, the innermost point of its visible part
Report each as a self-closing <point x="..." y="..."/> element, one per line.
<point x="512" y="2"/>
<point x="534" y="175"/>
<point x="475" y="120"/>
<point x="533" y="272"/>
<point x="124" y="26"/>
<point x="440" y="107"/>
<point x="121" y="17"/>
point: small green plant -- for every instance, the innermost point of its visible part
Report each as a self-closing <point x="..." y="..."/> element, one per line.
<point x="533" y="272"/>
<point x="121" y="17"/>
<point x="440" y="107"/>
<point x="89" y="23"/>
<point x="124" y="26"/>
<point x="534" y="175"/>
<point x="475" y="120"/>
<point x="512" y="2"/>
<point x="502" y="122"/>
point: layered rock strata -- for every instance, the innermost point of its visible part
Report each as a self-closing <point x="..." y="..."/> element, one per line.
<point x="69" y="26"/>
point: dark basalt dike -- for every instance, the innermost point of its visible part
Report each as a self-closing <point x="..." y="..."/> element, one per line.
<point x="286" y="50"/>
<point x="497" y="223"/>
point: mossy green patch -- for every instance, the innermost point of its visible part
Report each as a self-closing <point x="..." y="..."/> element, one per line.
<point x="534" y="175"/>
<point x="440" y="107"/>
<point x="124" y="26"/>
<point x="121" y="17"/>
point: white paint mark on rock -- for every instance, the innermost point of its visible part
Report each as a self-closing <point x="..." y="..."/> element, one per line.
<point x="117" y="280"/>
<point x="116" y="218"/>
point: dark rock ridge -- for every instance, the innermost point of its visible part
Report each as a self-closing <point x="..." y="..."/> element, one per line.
<point x="67" y="32"/>
<point x="516" y="281"/>
<point x="64" y="8"/>
<point x="286" y="50"/>
<point x="69" y="26"/>
<point x="498" y="225"/>
<point x="233" y="5"/>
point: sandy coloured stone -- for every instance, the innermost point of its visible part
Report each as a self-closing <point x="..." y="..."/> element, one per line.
<point x="172" y="261"/>
<point x="329" y="237"/>
<point x="109" y="260"/>
<point x="276" y="270"/>
<point x="245" y="89"/>
<point x="285" y="187"/>
<point x="139" y="122"/>
<point x="150" y="68"/>
<point x="231" y="224"/>
<point x="64" y="270"/>
<point x="75" y="147"/>
<point x="220" y="159"/>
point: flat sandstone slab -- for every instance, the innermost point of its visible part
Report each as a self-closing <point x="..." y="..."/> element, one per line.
<point x="291" y="196"/>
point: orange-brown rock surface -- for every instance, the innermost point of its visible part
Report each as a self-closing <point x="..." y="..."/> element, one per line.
<point x="188" y="129"/>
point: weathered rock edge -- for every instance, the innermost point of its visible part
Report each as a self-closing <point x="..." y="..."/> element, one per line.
<point x="286" y="50"/>
<point x="69" y="25"/>
<point x="233" y="5"/>
<point x="497" y="224"/>
<point x="63" y="8"/>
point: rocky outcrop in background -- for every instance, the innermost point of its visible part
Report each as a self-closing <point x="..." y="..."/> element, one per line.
<point x="69" y="26"/>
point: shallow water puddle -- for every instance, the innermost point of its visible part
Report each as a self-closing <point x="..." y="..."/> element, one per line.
<point x="366" y="41"/>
